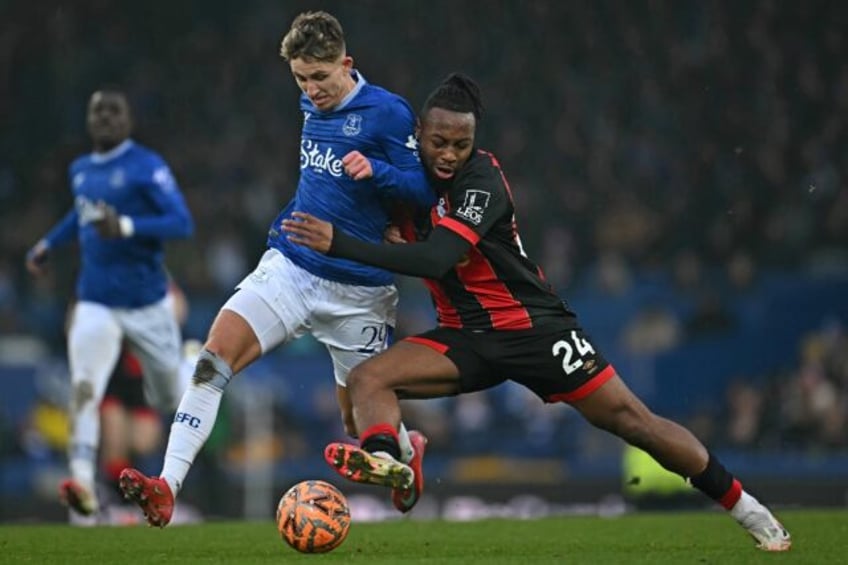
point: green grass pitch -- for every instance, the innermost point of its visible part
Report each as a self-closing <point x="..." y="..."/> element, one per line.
<point x="820" y="537"/>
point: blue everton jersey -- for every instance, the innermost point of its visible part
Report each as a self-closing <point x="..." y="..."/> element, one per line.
<point x="124" y="272"/>
<point x="380" y="125"/>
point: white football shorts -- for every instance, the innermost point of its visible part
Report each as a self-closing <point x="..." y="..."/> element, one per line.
<point x="95" y="336"/>
<point x="282" y="302"/>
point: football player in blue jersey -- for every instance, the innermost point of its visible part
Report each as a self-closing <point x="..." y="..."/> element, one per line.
<point x="358" y="156"/>
<point x="126" y="205"/>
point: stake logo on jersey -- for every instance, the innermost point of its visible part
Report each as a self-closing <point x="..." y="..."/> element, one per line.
<point x="319" y="159"/>
<point x="380" y="126"/>
<point x="87" y="210"/>
<point x="474" y="205"/>
<point x="352" y="125"/>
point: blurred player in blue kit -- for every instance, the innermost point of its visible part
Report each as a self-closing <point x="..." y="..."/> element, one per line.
<point x="499" y="319"/>
<point x="358" y="157"/>
<point x="126" y="205"/>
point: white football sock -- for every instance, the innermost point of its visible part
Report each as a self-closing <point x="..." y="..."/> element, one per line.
<point x="744" y="506"/>
<point x="91" y="368"/>
<point x="195" y="417"/>
<point x="82" y="451"/>
<point x="82" y="465"/>
<point x="192" y="425"/>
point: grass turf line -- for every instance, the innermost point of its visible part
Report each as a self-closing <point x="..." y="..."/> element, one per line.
<point x="819" y="537"/>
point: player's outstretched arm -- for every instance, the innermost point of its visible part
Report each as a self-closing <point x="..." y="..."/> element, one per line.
<point x="63" y="232"/>
<point x="428" y="259"/>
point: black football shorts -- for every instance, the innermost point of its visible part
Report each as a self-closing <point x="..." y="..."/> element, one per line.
<point x="557" y="362"/>
<point x="126" y="389"/>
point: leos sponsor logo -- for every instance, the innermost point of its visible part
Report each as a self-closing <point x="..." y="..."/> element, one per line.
<point x="318" y="159"/>
<point x="475" y="204"/>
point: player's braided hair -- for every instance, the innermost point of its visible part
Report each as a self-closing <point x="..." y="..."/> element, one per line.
<point x="313" y="36"/>
<point x="457" y="93"/>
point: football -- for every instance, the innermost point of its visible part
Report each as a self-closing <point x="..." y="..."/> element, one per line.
<point x="313" y="517"/>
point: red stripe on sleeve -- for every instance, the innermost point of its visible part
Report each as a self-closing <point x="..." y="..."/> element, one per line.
<point x="460" y="229"/>
<point x="586" y="388"/>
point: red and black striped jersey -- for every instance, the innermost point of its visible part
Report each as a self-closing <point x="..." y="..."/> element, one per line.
<point x="495" y="285"/>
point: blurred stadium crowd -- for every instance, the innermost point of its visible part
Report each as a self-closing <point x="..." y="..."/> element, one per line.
<point x="668" y="158"/>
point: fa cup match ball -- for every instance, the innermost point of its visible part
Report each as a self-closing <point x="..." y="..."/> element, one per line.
<point x="313" y="517"/>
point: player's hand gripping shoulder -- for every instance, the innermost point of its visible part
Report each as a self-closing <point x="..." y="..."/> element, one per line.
<point x="357" y="166"/>
<point x="392" y="235"/>
<point x="305" y="229"/>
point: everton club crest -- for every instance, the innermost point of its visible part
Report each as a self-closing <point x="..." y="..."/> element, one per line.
<point x="352" y="125"/>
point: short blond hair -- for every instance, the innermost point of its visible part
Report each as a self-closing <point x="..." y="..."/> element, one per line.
<point x="313" y="36"/>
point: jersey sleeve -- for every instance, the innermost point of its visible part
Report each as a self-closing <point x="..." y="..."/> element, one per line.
<point x="403" y="176"/>
<point x="478" y="200"/>
<point x="65" y="230"/>
<point x="429" y="259"/>
<point x="174" y="219"/>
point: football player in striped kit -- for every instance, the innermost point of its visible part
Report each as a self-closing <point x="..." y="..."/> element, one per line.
<point x="358" y="158"/>
<point x="126" y="205"/>
<point x="499" y="319"/>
